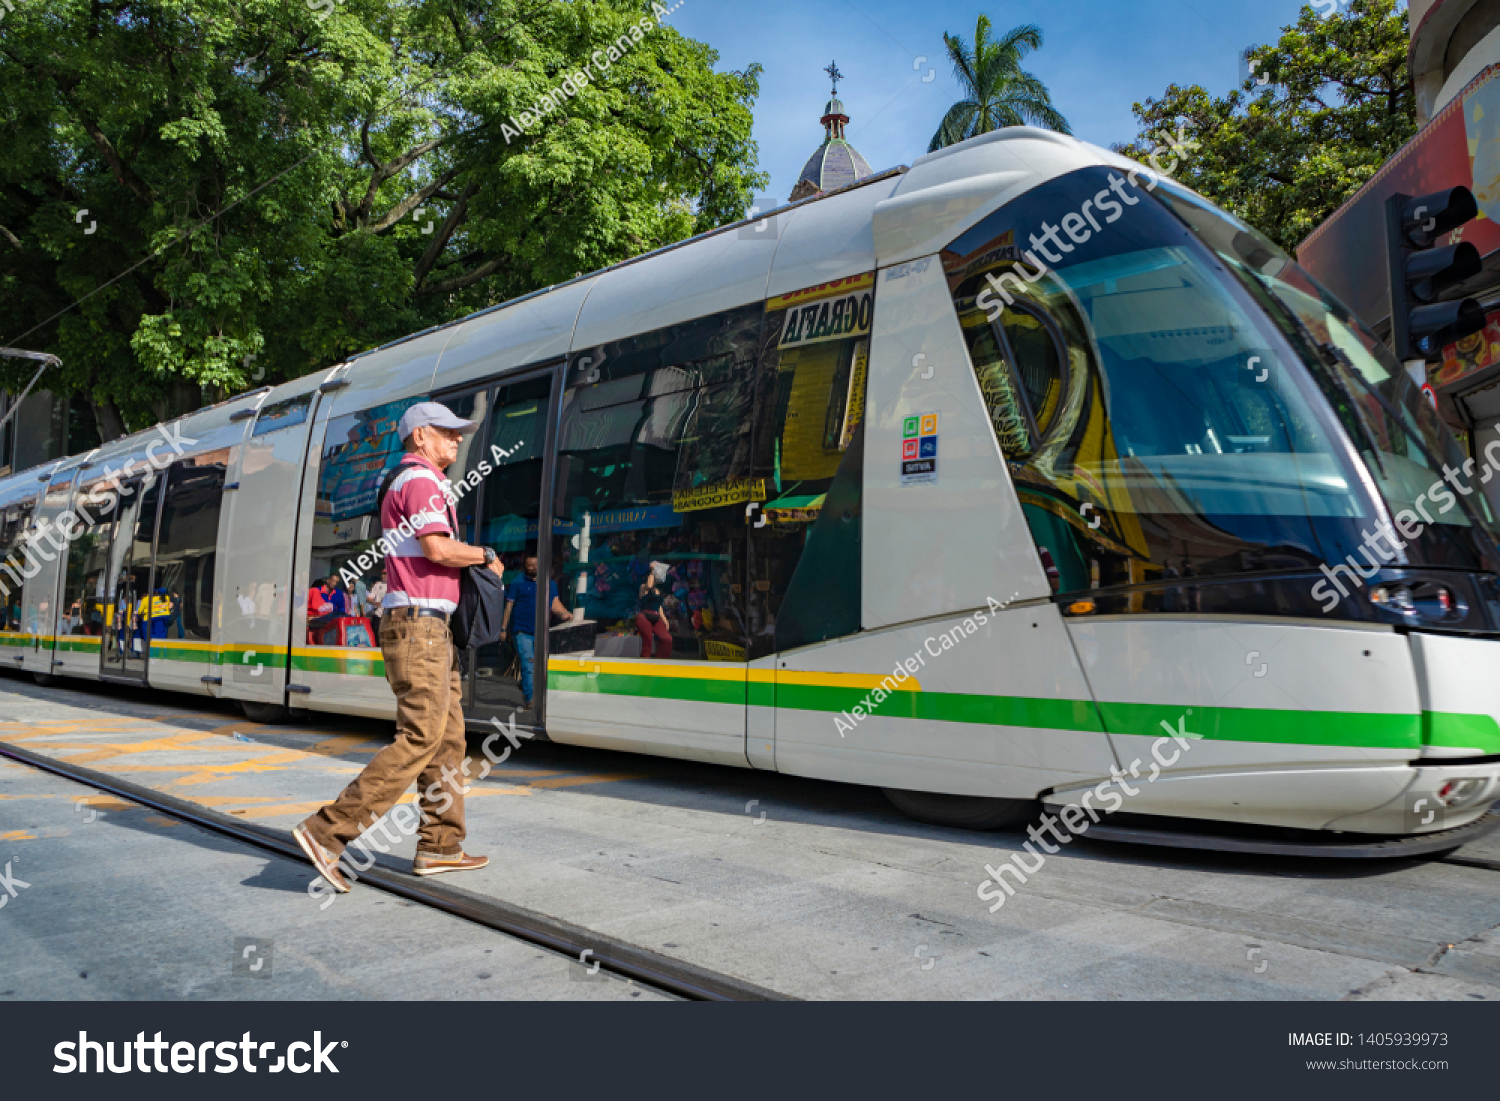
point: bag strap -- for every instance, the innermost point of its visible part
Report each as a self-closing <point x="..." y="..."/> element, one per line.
<point x="385" y="487"/>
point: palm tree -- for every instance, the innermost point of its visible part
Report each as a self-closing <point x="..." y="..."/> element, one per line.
<point x="998" y="92"/>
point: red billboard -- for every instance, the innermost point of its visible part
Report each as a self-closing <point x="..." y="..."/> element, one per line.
<point x="1459" y="147"/>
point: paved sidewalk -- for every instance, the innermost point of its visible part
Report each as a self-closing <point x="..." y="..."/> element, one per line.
<point x="817" y="890"/>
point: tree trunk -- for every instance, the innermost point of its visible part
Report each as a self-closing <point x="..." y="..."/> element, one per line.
<point x="107" y="417"/>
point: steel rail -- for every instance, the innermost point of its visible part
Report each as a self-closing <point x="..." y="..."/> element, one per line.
<point x="671" y="976"/>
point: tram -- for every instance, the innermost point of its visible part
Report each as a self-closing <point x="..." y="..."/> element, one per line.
<point x="971" y="481"/>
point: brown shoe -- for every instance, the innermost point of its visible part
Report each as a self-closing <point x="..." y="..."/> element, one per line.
<point x="436" y="863"/>
<point x="326" y="862"/>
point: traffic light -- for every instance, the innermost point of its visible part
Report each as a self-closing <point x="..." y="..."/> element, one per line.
<point x="1421" y="274"/>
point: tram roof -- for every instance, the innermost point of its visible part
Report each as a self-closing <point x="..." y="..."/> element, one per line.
<point x="900" y="214"/>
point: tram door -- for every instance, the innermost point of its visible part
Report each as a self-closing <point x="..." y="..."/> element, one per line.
<point x="505" y="515"/>
<point x="128" y="610"/>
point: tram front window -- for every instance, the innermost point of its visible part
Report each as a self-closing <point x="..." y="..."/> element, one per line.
<point x="1157" y="424"/>
<point x="1404" y="444"/>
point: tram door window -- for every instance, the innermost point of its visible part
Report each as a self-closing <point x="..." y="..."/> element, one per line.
<point x="85" y="602"/>
<point x="127" y="639"/>
<point x="808" y="453"/>
<point x="182" y="598"/>
<point x="504" y="466"/>
<point x="653" y="480"/>
<point x="15" y="565"/>
<point x="346" y="571"/>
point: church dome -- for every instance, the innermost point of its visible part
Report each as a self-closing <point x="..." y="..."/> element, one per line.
<point x="835" y="163"/>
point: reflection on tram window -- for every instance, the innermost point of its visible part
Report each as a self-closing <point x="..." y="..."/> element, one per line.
<point x="358" y="450"/>
<point x="1116" y="380"/>
<point x="283" y="414"/>
<point x="15" y="563"/>
<point x="1405" y="444"/>
<point x="653" y="478"/>
<point x="183" y="587"/>
<point x="804" y="565"/>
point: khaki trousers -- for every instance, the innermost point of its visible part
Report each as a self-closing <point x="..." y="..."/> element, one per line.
<point x="421" y="664"/>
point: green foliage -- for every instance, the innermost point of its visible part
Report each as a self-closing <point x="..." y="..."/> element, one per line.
<point x="1283" y="155"/>
<point x="997" y="92"/>
<point x="297" y="180"/>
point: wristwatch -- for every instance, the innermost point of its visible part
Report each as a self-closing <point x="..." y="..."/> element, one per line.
<point x="490" y="556"/>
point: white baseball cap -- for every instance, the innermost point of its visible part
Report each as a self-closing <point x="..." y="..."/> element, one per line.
<point x="432" y="413"/>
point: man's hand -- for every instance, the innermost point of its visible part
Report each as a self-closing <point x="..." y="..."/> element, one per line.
<point x="498" y="568"/>
<point x="448" y="551"/>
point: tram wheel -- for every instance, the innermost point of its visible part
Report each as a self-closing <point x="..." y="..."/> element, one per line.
<point x="264" y="712"/>
<point x="964" y="812"/>
<point x="46" y="680"/>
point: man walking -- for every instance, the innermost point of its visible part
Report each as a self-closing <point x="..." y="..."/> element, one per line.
<point x="421" y="662"/>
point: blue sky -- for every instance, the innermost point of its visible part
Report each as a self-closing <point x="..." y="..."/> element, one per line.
<point x="1097" y="58"/>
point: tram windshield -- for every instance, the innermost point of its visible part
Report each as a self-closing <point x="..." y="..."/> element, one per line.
<point x="1176" y="399"/>
<point x="1395" y="427"/>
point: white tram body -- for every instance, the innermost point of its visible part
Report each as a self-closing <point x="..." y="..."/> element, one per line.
<point x="913" y="532"/>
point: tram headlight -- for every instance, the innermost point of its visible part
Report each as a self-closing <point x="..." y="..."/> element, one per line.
<point x="1420" y="601"/>
<point x="1460" y="793"/>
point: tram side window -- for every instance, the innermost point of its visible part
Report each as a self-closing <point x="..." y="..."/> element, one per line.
<point x="14" y="564"/>
<point x="810" y="394"/>
<point x="358" y="450"/>
<point x="186" y="544"/>
<point x="653" y="464"/>
<point x="283" y="414"/>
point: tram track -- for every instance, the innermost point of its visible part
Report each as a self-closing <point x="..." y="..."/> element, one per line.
<point x="665" y="974"/>
<point x="1488" y="863"/>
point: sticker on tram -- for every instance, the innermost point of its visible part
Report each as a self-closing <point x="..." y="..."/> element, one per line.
<point x="919" y="448"/>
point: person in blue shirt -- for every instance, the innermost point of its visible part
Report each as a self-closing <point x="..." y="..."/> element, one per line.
<point x="520" y="605"/>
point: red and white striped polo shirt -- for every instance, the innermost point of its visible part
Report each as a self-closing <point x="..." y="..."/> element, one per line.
<point x="416" y="498"/>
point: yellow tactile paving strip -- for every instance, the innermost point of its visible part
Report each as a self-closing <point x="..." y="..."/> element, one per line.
<point x="125" y="745"/>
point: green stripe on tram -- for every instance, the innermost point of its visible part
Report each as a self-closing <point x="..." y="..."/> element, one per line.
<point x="1256" y="724"/>
<point x="307" y="662"/>
<point x="952" y="707"/>
<point x="687" y="688"/>
<point x="1231" y="724"/>
<point x="167" y="651"/>
<point x="1460" y="731"/>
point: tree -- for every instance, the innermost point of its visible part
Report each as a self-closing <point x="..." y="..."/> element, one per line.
<point x="1321" y="110"/>
<point x="997" y="92"/>
<point x="273" y="185"/>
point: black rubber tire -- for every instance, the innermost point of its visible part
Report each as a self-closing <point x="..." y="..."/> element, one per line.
<point x="964" y="812"/>
<point x="46" y="680"/>
<point x="269" y="713"/>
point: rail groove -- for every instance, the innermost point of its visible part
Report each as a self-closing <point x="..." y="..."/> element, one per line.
<point x="664" y="973"/>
